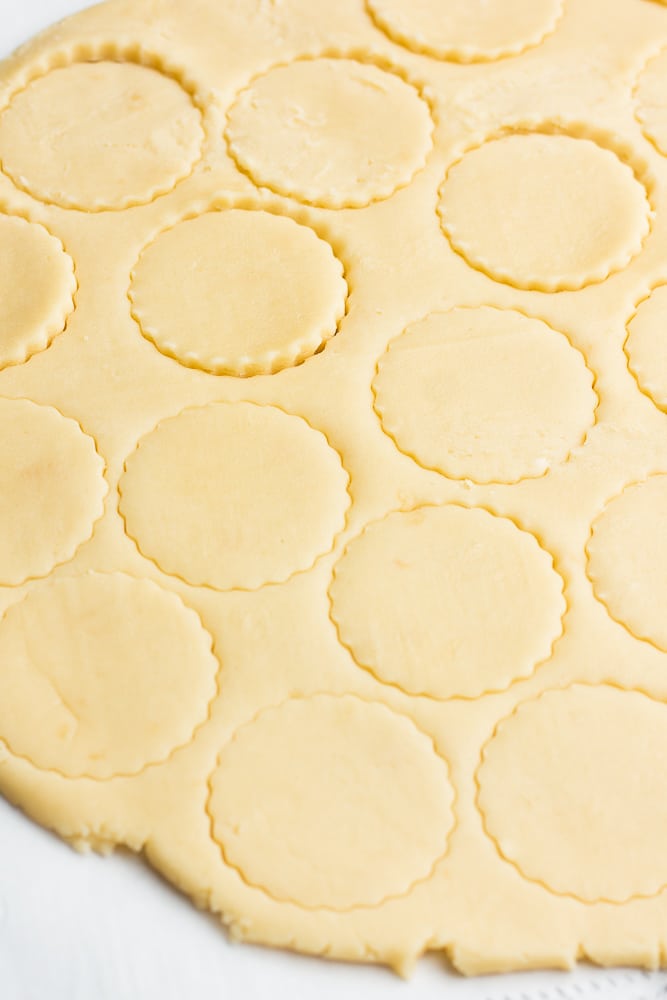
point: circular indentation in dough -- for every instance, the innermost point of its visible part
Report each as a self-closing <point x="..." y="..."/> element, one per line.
<point x="651" y="94"/>
<point x="37" y="286"/>
<point x="102" y="675"/>
<point x="532" y="209"/>
<point x="466" y="30"/>
<point x="238" y="292"/>
<point x="331" y="802"/>
<point x="627" y="559"/>
<point x="447" y="601"/>
<point x="51" y="489"/>
<point x="573" y="790"/>
<point x="645" y="346"/>
<point x="100" y="135"/>
<point x="332" y="132"/>
<point x="234" y="495"/>
<point x="484" y="394"/>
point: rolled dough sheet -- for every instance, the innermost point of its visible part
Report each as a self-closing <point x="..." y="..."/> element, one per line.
<point x="333" y="534"/>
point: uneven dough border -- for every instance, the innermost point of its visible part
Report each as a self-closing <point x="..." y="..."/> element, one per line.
<point x="228" y="201"/>
<point x="621" y="147"/>
<point x="478" y="788"/>
<point x="659" y="50"/>
<point x="577" y="446"/>
<point x="118" y="52"/>
<point x="359" y="55"/>
<point x="463" y="54"/>
<point x="455" y="697"/>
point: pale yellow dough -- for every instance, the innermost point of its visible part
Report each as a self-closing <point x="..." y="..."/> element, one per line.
<point x="333" y="473"/>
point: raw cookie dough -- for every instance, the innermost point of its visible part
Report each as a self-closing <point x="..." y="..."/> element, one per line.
<point x="333" y="546"/>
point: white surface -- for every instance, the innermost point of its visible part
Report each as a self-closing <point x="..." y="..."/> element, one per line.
<point x="90" y="928"/>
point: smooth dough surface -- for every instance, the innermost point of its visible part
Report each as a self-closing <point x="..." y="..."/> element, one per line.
<point x="466" y="30"/>
<point x="361" y="815"/>
<point x="532" y="209"/>
<point x="241" y="310"/>
<point x="409" y="594"/>
<point x="484" y="394"/>
<point x="99" y="135"/>
<point x="333" y="466"/>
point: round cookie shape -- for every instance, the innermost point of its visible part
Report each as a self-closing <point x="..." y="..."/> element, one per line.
<point x="627" y="559"/>
<point x="52" y="489"/>
<point x="485" y="394"/>
<point x="100" y="135"/>
<point x="466" y="30"/>
<point x="238" y="292"/>
<point x="93" y="681"/>
<point x="331" y="801"/>
<point x="447" y="601"/>
<point x="234" y="495"/>
<point x="652" y="101"/>
<point x="645" y="346"/>
<point x="324" y="131"/>
<point x="531" y="209"/>
<point x="37" y="287"/>
<point x="573" y="791"/>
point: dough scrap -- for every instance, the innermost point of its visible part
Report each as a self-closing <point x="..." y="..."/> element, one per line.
<point x="234" y="495"/>
<point x="466" y="30"/>
<point x="331" y="802"/>
<point x="628" y="565"/>
<point x="37" y="286"/>
<point x="93" y="681"/>
<point x="100" y="135"/>
<point x="571" y="804"/>
<point x="51" y="489"/>
<point x="323" y="131"/>
<point x="240" y="309"/>
<point x="645" y="346"/>
<point x="484" y="394"/>
<point x="531" y="209"/>
<point x="410" y="594"/>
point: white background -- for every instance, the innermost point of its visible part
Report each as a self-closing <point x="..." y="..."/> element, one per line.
<point x="87" y="928"/>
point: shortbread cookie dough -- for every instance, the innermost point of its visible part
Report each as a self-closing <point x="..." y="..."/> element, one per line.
<point x="234" y="496"/>
<point x="323" y="131"/>
<point x="628" y="564"/>
<point x="484" y="394"/>
<point x="51" y="489"/>
<point x="466" y="31"/>
<point x="645" y="346"/>
<point x="37" y="286"/>
<point x="93" y="681"/>
<point x="409" y="594"/>
<point x="333" y="475"/>
<point x="273" y="812"/>
<point x="219" y="292"/>
<point x="561" y="793"/>
<point x="531" y="208"/>
<point x="99" y="135"/>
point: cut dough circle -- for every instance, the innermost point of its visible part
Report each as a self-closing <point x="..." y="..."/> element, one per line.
<point x="484" y="394"/>
<point x="447" y="601"/>
<point x="93" y="680"/>
<point x="532" y="209"/>
<point x="573" y="790"/>
<point x="100" y="135"/>
<point x="52" y="489"/>
<point x="645" y="346"/>
<point x="37" y="287"/>
<point x="323" y="131"/>
<point x="466" y="30"/>
<point x="331" y="802"/>
<point x="234" y="495"/>
<point x="627" y="559"/>
<point x="651" y="95"/>
<point x="238" y="292"/>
